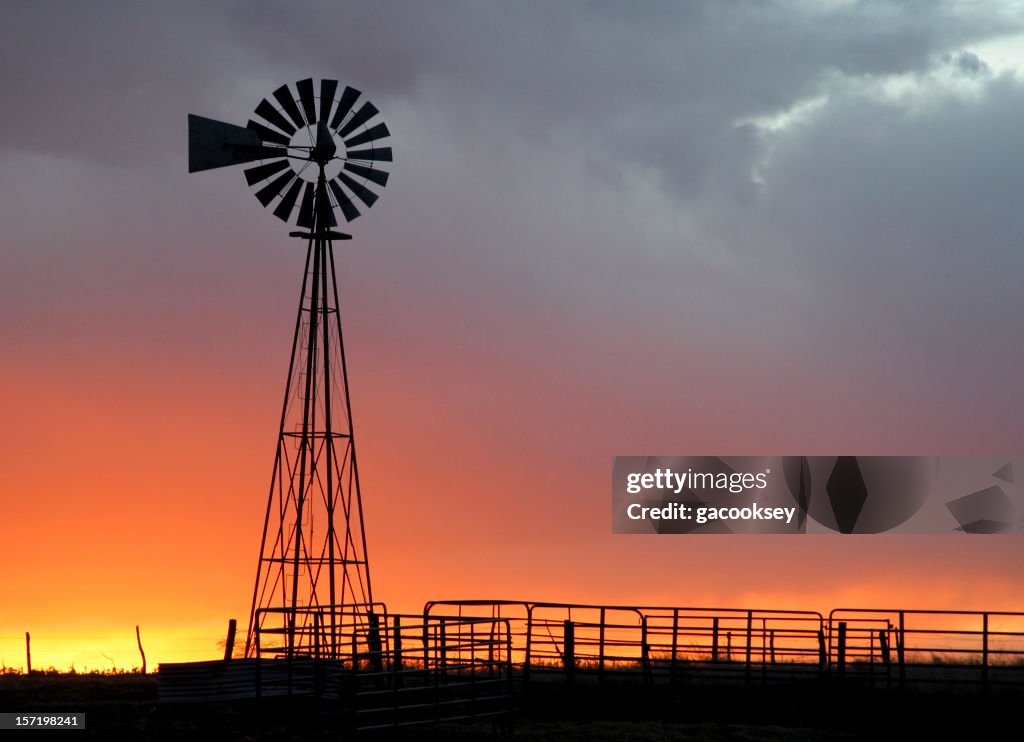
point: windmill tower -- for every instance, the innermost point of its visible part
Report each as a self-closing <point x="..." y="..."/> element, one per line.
<point x="321" y="153"/>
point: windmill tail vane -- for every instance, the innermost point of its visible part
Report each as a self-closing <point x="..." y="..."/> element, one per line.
<point x="313" y="159"/>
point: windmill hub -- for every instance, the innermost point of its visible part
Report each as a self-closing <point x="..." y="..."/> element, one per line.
<point x="318" y="154"/>
<point x="308" y="149"/>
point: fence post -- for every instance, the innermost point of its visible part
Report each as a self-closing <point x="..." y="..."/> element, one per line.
<point x="822" y="651"/>
<point x="901" y="652"/>
<point x="397" y="663"/>
<point x="443" y="649"/>
<point x="645" y="653"/>
<point x="28" y="652"/>
<point x="569" y="650"/>
<point x="396" y="666"/>
<point x="374" y="643"/>
<point x="675" y="642"/>
<point x="750" y="628"/>
<point x="529" y="639"/>
<point x="883" y="643"/>
<point x="318" y="670"/>
<point x="984" y="652"/>
<point x="318" y="620"/>
<point x="841" y="651"/>
<point x="771" y="641"/>
<point x="229" y="643"/>
<point x="259" y="660"/>
<point x="714" y="639"/>
<point x="600" y="649"/>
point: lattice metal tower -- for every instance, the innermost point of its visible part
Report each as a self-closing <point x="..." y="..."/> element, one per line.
<point x="313" y="576"/>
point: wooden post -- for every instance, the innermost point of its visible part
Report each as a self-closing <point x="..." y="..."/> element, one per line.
<point x="229" y="643"/>
<point x="714" y="639"/>
<point x="771" y="642"/>
<point x="529" y="646"/>
<point x="675" y="642"/>
<point x="841" y="651"/>
<point x="569" y="650"/>
<point x="259" y="661"/>
<point x="645" y="651"/>
<point x="355" y="650"/>
<point x="901" y="651"/>
<point x="396" y="664"/>
<point x="443" y="649"/>
<point x="374" y="642"/>
<point x="750" y="629"/>
<point x="822" y="651"/>
<point x="138" y="638"/>
<point x="984" y="652"/>
<point x="318" y="626"/>
<point x="28" y="651"/>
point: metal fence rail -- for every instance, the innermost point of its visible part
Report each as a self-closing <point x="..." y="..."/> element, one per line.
<point x="437" y="669"/>
<point x="570" y="642"/>
<point x="387" y="670"/>
<point x="322" y="632"/>
<point x="579" y="642"/>
<point x="717" y="644"/>
<point x="461" y="659"/>
<point x="933" y="648"/>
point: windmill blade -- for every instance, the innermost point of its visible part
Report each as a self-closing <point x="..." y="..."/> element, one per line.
<point x="267" y="111"/>
<point x="364" y="194"/>
<point x="261" y="172"/>
<point x="377" y="176"/>
<point x="370" y="135"/>
<point x="381" y="154"/>
<point x="364" y="114"/>
<point x="213" y="144"/>
<point x="284" y="96"/>
<point x="267" y="193"/>
<point x="327" y="90"/>
<point x="344" y="202"/>
<point x="306" y="209"/>
<point x="348" y="99"/>
<point x="305" y="88"/>
<point x="267" y="134"/>
<point x="284" y="208"/>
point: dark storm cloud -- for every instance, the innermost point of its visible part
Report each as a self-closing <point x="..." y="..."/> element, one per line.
<point x="592" y="165"/>
<point x="658" y="84"/>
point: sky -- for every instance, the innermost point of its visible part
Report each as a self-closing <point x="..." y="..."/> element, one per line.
<point x="743" y="228"/>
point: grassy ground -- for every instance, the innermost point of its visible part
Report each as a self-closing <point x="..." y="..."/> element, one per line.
<point x="126" y="707"/>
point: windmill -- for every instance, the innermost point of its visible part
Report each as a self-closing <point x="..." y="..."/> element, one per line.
<point x="323" y="154"/>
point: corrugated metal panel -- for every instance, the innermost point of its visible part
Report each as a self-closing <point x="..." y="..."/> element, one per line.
<point x="220" y="680"/>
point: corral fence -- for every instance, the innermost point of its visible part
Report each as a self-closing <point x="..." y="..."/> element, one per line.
<point x="574" y="643"/>
<point x="468" y="659"/>
<point x="982" y="649"/>
<point x="387" y="670"/>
